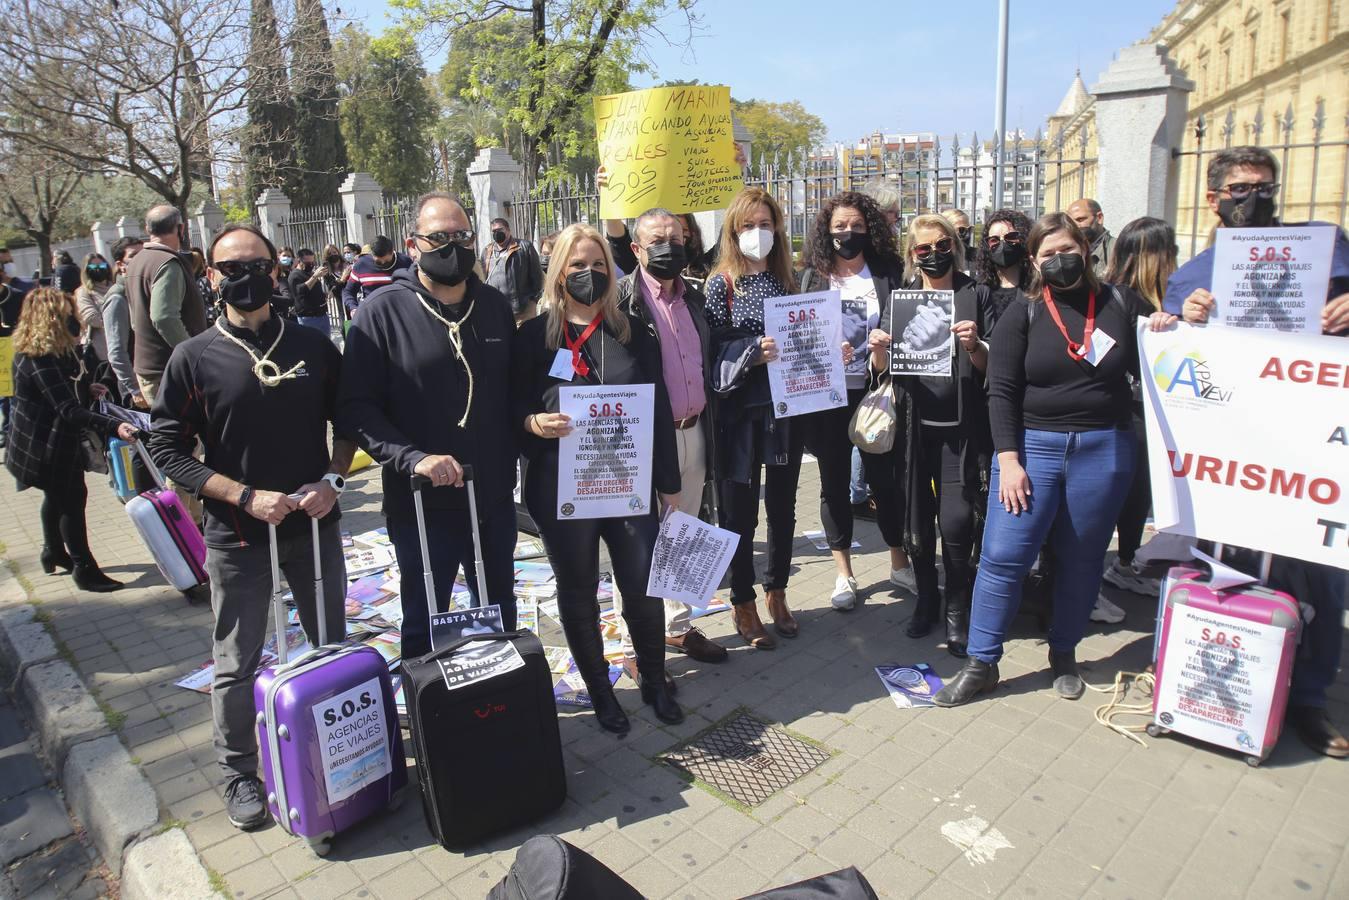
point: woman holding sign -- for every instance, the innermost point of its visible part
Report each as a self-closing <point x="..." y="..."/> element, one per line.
<point x="946" y="444"/>
<point x="1060" y="407"/>
<point x="581" y="339"/>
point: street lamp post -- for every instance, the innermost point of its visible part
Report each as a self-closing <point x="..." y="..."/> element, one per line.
<point x="1000" y="108"/>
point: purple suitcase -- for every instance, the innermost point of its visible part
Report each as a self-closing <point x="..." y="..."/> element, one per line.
<point x="331" y="752"/>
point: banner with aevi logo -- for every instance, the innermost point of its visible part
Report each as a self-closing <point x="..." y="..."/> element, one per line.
<point x="1248" y="438"/>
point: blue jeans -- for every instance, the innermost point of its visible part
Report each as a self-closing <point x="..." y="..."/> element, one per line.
<point x="450" y="542"/>
<point x="1318" y="656"/>
<point x="1078" y="484"/>
<point x="857" y="487"/>
<point x="318" y="323"/>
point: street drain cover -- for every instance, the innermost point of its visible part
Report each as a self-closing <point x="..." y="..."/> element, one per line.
<point x="746" y="758"/>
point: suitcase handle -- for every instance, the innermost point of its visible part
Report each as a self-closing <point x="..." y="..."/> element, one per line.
<point x="428" y="581"/>
<point x="150" y="466"/>
<point x="451" y="648"/>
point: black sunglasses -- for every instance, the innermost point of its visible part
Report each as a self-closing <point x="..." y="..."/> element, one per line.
<point x="1011" y="237"/>
<point x="923" y="251"/>
<point x="963" y="232"/>
<point x="233" y="268"/>
<point x="1242" y="190"/>
<point x="437" y="239"/>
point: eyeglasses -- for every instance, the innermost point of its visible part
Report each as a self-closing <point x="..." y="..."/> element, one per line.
<point x="233" y="268"/>
<point x="1241" y="190"/>
<point x="923" y="251"/>
<point x="437" y="239"/>
<point x="1011" y="237"/>
<point x="963" y="233"/>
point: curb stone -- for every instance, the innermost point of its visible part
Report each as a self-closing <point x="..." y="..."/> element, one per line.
<point x="165" y="867"/>
<point x="63" y="710"/>
<point x="11" y="589"/>
<point x="24" y="641"/>
<point x="109" y="795"/>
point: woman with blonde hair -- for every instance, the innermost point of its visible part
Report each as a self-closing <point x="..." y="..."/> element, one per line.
<point x="754" y="263"/>
<point x="95" y="279"/>
<point x="48" y="417"/>
<point x="582" y="338"/>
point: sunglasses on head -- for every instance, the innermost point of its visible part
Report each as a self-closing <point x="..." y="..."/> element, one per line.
<point x="1011" y="237"/>
<point x="923" y="251"/>
<point x="963" y="232"/>
<point x="1242" y="190"/>
<point x="233" y="268"/>
<point x="437" y="239"/>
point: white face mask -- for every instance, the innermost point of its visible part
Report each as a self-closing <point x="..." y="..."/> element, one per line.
<point x="756" y="244"/>
<point x="10" y="269"/>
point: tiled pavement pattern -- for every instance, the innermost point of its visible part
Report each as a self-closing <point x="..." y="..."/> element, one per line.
<point x="1048" y="803"/>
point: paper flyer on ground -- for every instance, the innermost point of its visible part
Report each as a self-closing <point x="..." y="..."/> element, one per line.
<point x="604" y="463"/>
<point x="807" y="375"/>
<point x="1273" y="279"/>
<point x="690" y="558"/>
<point x="353" y="740"/>
<point x="920" y="331"/>
<point x="820" y="542"/>
<point x="911" y="687"/>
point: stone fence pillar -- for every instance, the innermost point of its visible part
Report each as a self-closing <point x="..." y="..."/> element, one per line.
<point x="127" y="226"/>
<point x="273" y="215"/>
<point x="104" y="235"/>
<point x="209" y="219"/>
<point x="494" y="178"/>
<point x="362" y="197"/>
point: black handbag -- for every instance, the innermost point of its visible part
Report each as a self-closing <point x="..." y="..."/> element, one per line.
<point x="548" y="868"/>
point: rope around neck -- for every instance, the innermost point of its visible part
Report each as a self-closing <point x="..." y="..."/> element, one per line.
<point x="264" y="370"/>
<point x="452" y="332"/>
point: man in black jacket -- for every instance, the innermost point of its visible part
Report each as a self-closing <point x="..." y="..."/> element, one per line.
<point x="308" y="293"/>
<point x="426" y="390"/>
<point x="512" y="267"/>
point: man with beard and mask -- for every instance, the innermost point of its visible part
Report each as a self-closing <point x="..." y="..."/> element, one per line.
<point x="512" y="267"/>
<point x="1086" y="214"/>
<point x="426" y="391"/>
<point x="12" y="292"/>
<point x="1241" y="191"/>
<point x="308" y="292"/>
<point x="371" y="272"/>
<point x="675" y="313"/>
<point x="259" y="392"/>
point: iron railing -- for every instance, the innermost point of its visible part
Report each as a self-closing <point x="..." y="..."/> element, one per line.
<point x="314" y="227"/>
<point x="397" y="216"/>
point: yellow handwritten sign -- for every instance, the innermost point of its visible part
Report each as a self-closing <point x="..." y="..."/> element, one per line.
<point x="670" y="147"/>
<point x="6" y="366"/>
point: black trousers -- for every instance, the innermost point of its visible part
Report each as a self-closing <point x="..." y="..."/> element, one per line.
<point x="740" y="513"/>
<point x="826" y="437"/>
<point x="952" y="506"/>
<point x="63" y="518"/>
<point x="1138" y="503"/>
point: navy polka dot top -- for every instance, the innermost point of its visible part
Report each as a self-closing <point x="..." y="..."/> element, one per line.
<point x="746" y="307"/>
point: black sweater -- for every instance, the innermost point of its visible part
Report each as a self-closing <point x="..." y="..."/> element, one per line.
<point x="404" y="390"/>
<point x="1034" y="384"/>
<point x="270" y="438"/>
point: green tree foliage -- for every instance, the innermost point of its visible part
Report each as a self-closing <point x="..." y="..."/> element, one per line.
<point x="320" y="152"/>
<point x="387" y="113"/>
<point x="779" y="129"/>
<point x="269" y="138"/>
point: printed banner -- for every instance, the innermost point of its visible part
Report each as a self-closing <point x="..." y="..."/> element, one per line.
<point x="667" y="146"/>
<point x="689" y="559"/>
<point x="1248" y="438"/>
<point x="6" y="366"/>
<point x="911" y="687"/>
<point x="1272" y="279"/>
<point x="1219" y="676"/>
<point x="920" y="330"/>
<point x="353" y="742"/>
<point x="807" y="375"/>
<point x="604" y="464"/>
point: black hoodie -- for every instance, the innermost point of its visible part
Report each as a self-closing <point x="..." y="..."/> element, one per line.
<point x="404" y="389"/>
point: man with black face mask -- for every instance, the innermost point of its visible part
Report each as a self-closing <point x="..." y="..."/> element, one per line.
<point x="259" y="393"/>
<point x="426" y="390"/>
<point x="1086" y="214"/>
<point x="372" y="271"/>
<point x="512" y="267"/>
<point x="1242" y="185"/>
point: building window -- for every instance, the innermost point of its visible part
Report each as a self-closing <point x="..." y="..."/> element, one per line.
<point x="1285" y="35"/>
<point x="1227" y="68"/>
<point x="1252" y="55"/>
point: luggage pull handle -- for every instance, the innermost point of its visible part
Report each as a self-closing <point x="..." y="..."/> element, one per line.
<point x="155" y="474"/>
<point x="428" y="580"/>
<point x="279" y="606"/>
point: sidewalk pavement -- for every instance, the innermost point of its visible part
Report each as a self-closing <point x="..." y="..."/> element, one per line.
<point x="1021" y="795"/>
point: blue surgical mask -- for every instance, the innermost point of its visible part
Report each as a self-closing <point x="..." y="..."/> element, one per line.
<point x="287" y="260"/>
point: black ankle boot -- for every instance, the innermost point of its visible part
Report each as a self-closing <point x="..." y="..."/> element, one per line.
<point x="657" y="695"/>
<point x="608" y="712"/>
<point x="52" y="559"/>
<point x="1067" y="683"/>
<point x="957" y="631"/>
<point x="89" y="577"/>
<point x="978" y="677"/>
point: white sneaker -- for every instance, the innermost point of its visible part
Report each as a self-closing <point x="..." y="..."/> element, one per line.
<point x="1105" y="611"/>
<point x="1127" y="578"/>
<point x="845" y="593"/>
<point x="904" y="578"/>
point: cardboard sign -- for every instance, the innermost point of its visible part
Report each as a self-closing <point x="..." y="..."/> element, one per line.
<point x="920" y="331"/>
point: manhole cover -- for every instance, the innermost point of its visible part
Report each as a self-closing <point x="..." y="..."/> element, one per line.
<point x="746" y="758"/>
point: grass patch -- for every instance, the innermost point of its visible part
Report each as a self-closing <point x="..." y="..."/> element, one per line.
<point x="114" y="718"/>
<point x="170" y="824"/>
<point x="218" y="883"/>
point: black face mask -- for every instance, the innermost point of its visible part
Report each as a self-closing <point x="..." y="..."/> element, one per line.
<point x="937" y="263"/>
<point x="247" y="292"/>
<point x="73" y="326"/>
<point x="1006" y="255"/>
<point x="850" y="244"/>
<point x="448" y="265"/>
<point x="665" y="260"/>
<point x="499" y="236"/>
<point x="587" y="286"/>
<point x="333" y="262"/>
<point x="1253" y="212"/>
<point x="543" y="262"/>
<point x="1064" y="270"/>
<point x="98" y="272"/>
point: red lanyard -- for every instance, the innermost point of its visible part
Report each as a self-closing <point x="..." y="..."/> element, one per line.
<point x="579" y="365"/>
<point x="1075" y="350"/>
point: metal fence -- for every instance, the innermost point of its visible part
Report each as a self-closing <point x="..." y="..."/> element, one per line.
<point x="397" y="216"/>
<point x="314" y="227"/>
<point x="1313" y="174"/>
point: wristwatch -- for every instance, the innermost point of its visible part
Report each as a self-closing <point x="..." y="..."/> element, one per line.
<point x="244" y="496"/>
<point x="337" y="481"/>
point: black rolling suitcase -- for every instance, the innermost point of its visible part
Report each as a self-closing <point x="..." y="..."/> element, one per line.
<point x="489" y="754"/>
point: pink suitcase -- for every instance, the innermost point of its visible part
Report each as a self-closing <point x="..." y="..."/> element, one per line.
<point x="174" y="539"/>
<point x="1224" y="662"/>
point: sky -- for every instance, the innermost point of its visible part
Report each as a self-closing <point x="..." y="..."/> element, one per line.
<point x="892" y="65"/>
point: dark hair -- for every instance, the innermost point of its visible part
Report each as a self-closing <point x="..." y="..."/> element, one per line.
<point x="382" y="245"/>
<point x="985" y="272"/>
<point x="500" y="221"/>
<point x="354" y="248"/>
<point x="882" y="253"/>
<point x="1143" y="258"/>
<point x="231" y="229"/>
<point x="122" y="244"/>
<point x="305" y="251"/>
<point x="694" y="250"/>
<point x="64" y="258"/>
<point x="1225" y="161"/>
<point x="1053" y="223"/>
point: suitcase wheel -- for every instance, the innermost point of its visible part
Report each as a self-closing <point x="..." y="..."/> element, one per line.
<point x="320" y="846"/>
<point x="1155" y="730"/>
<point x="1254" y="761"/>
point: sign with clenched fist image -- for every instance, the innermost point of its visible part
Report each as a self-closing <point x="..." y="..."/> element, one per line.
<point x="920" y="323"/>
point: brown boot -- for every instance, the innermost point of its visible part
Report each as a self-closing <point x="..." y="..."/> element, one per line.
<point x="783" y="622"/>
<point x="750" y="627"/>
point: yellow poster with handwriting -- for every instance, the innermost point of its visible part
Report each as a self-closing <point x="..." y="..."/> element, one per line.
<point x="667" y="146"/>
<point x="6" y="366"/>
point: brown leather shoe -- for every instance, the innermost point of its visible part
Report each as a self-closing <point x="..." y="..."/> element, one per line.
<point x="696" y="645"/>
<point x="783" y="622"/>
<point x="750" y="627"/>
<point x="1313" y="725"/>
<point x="630" y="670"/>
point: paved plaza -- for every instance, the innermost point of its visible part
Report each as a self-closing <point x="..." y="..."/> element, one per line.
<point x="1021" y="795"/>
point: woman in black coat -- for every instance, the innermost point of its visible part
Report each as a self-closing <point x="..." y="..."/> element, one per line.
<point x="47" y="419"/>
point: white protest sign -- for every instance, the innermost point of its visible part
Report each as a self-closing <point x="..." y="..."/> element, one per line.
<point x="920" y="331"/>
<point x="1219" y="676"/>
<point x="1273" y="279"/>
<point x="353" y="742"/>
<point x="604" y="464"/>
<point x="807" y="375"/>
<point x="1248" y="438"/>
<point x="689" y="559"/>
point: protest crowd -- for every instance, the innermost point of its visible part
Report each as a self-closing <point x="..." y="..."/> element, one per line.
<point x="974" y="388"/>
